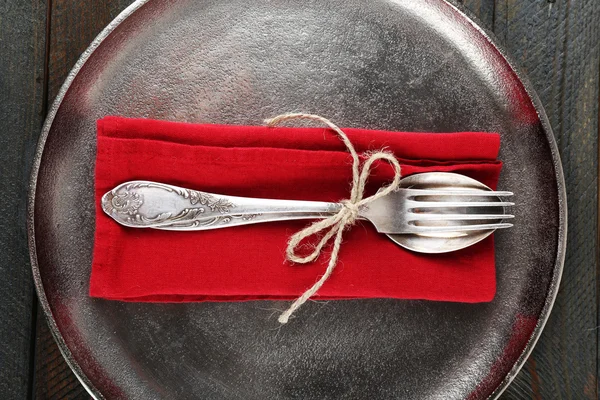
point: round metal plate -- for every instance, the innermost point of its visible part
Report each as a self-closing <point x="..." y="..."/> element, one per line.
<point x="395" y="65"/>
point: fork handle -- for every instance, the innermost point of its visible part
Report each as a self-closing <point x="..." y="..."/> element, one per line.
<point x="145" y="204"/>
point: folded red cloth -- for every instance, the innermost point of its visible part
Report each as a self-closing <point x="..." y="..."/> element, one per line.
<point x="247" y="263"/>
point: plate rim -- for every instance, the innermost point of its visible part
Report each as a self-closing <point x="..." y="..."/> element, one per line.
<point x="554" y="284"/>
<point x="562" y="200"/>
<point x="50" y="116"/>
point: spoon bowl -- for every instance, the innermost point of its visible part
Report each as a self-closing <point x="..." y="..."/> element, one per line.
<point x="435" y="243"/>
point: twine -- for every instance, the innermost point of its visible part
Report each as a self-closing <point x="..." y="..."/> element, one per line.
<point x="347" y="215"/>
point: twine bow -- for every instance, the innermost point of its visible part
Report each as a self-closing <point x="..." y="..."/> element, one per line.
<point x="347" y="215"/>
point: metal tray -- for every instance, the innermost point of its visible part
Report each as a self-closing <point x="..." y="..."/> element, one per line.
<point x="396" y="65"/>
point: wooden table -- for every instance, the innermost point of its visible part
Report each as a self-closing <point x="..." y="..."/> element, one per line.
<point x="556" y="43"/>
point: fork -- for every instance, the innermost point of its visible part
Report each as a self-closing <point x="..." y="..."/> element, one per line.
<point x="440" y="211"/>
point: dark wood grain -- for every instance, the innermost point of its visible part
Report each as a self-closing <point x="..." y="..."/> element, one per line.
<point x="54" y="378"/>
<point x="557" y="45"/>
<point x="22" y="42"/>
<point x="74" y="25"/>
<point x="483" y="10"/>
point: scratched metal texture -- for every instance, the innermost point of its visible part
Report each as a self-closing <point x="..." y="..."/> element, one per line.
<point x="470" y="358"/>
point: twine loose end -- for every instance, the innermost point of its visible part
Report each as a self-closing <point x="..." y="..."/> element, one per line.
<point x="346" y="217"/>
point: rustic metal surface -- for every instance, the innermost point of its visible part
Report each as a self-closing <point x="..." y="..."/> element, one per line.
<point x="237" y="64"/>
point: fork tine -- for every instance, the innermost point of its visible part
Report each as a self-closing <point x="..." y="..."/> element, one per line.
<point x="455" y="204"/>
<point x="456" y="217"/>
<point x="466" y="192"/>
<point x="458" y="228"/>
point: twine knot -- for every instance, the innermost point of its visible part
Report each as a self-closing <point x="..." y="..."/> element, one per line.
<point x="351" y="210"/>
<point x="347" y="215"/>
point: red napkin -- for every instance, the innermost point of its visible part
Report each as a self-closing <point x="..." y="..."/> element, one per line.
<point x="247" y="263"/>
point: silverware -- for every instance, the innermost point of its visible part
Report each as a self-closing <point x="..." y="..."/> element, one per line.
<point x="442" y="208"/>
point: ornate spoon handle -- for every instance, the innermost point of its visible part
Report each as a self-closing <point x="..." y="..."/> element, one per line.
<point x="145" y="204"/>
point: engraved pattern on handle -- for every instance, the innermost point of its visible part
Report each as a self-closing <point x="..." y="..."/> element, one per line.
<point x="145" y="204"/>
<point x="125" y="204"/>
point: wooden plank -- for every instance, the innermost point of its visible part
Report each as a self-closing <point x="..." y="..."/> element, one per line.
<point x="557" y="45"/>
<point x="54" y="378"/>
<point x="74" y="25"/>
<point x="22" y="42"/>
<point x="483" y="10"/>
